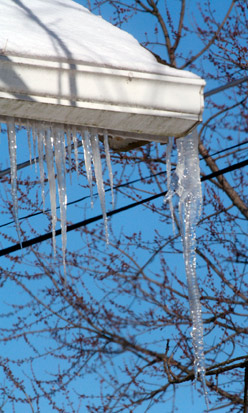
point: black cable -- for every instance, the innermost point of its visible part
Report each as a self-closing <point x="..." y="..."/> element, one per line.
<point x="72" y="227"/>
<point x="120" y="186"/>
<point x="88" y="221"/>
<point x="226" y="86"/>
<point x="225" y="170"/>
<point x="224" y="150"/>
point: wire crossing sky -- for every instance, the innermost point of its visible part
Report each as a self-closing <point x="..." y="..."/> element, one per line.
<point x="88" y="221"/>
<point x="27" y="163"/>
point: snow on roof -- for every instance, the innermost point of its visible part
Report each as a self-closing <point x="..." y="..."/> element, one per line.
<point x="63" y="29"/>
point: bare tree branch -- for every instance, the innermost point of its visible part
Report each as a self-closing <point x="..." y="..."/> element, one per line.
<point x="229" y="190"/>
<point x="196" y="56"/>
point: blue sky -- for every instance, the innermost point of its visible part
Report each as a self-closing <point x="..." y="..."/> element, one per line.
<point x="186" y="398"/>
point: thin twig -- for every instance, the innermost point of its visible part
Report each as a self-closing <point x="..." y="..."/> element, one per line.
<point x="193" y="58"/>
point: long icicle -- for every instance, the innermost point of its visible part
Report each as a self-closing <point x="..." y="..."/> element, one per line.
<point x="74" y="138"/>
<point x="34" y="144"/>
<point x="108" y="160"/>
<point x="68" y="136"/>
<point x="87" y="159"/>
<point x="52" y="182"/>
<point x="99" y="179"/>
<point x="170" y="189"/>
<point x="29" y="141"/>
<point x="190" y="199"/>
<point x="61" y="179"/>
<point x="13" y="172"/>
<point x="41" y="141"/>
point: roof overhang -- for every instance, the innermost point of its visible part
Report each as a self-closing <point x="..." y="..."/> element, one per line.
<point x="131" y="104"/>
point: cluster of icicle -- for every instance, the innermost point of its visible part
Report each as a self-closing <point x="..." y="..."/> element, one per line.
<point x="186" y="183"/>
<point x="50" y="141"/>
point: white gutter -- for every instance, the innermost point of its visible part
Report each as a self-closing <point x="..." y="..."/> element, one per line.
<point x="144" y="106"/>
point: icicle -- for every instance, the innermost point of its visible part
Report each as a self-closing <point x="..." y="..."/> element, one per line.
<point x="108" y="160"/>
<point x="29" y="141"/>
<point x="190" y="198"/>
<point x="51" y="179"/>
<point x="68" y="135"/>
<point x="41" y="141"/>
<point x="99" y="178"/>
<point x="13" y="171"/>
<point x="87" y="159"/>
<point x="53" y="140"/>
<point x="186" y="184"/>
<point x="61" y="178"/>
<point x="34" y="144"/>
<point x="170" y="189"/>
<point x="74" y="138"/>
<point x="63" y="149"/>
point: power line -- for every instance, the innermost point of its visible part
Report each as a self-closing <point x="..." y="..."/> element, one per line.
<point x="226" y="86"/>
<point x="117" y="186"/>
<point x="72" y="227"/>
<point x="88" y="221"/>
<point x="223" y="171"/>
<point x="224" y="150"/>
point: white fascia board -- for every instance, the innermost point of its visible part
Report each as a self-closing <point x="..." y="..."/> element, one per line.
<point x="146" y="106"/>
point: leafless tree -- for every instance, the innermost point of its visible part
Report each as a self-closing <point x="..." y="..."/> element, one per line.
<point x="122" y="320"/>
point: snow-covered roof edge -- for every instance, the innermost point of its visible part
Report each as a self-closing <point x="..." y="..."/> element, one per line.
<point x="62" y="30"/>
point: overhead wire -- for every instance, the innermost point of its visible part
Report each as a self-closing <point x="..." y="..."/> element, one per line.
<point x="115" y="187"/>
<point x="88" y="221"/>
<point x="226" y="86"/>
